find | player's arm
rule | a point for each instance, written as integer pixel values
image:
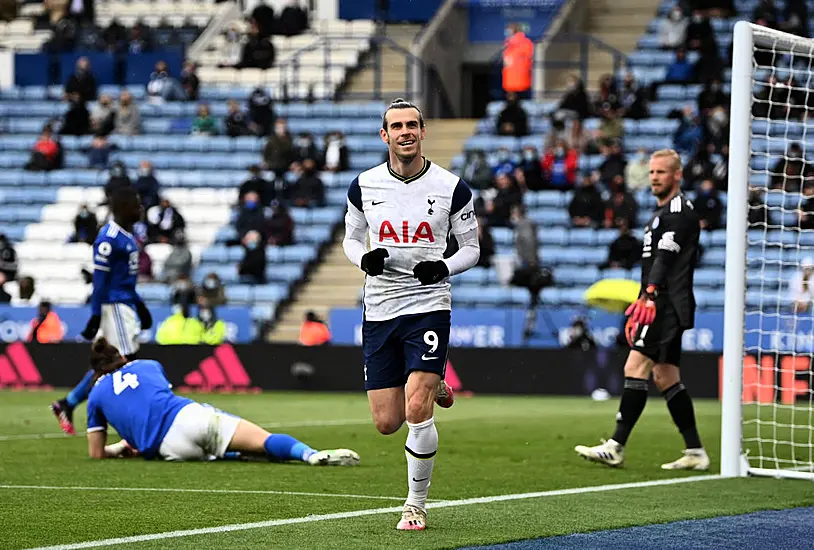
(464, 225)
(97, 431)
(355, 241)
(102, 260)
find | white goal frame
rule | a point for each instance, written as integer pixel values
(734, 462)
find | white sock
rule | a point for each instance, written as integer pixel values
(422, 444)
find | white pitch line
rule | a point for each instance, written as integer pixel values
(370, 512)
(181, 490)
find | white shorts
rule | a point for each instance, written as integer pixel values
(121, 327)
(198, 433)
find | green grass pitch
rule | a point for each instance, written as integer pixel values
(488, 446)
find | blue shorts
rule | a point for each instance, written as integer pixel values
(396, 347)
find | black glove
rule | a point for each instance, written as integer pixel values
(430, 273)
(144, 316)
(92, 327)
(373, 261)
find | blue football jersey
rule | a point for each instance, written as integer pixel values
(116, 260)
(137, 400)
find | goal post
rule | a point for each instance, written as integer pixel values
(767, 420)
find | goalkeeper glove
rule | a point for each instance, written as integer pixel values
(641, 312)
(373, 261)
(92, 327)
(144, 316)
(431, 272)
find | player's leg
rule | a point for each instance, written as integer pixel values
(63, 408)
(634, 398)
(425, 341)
(384, 375)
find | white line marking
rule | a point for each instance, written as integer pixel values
(181, 490)
(370, 512)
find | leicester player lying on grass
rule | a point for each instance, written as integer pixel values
(136, 399)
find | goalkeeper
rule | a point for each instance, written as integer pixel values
(657, 320)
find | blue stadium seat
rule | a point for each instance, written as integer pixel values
(582, 236)
(239, 294)
(271, 293)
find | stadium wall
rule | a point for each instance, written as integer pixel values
(256, 367)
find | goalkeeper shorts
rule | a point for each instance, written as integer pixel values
(661, 340)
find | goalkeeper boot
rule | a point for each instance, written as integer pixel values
(334, 457)
(444, 396)
(64, 414)
(413, 518)
(693, 459)
(609, 452)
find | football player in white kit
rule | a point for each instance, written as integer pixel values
(407, 206)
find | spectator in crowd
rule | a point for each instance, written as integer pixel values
(103, 117)
(513, 119)
(145, 264)
(8, 258)
(795, 18)
(711, 96)
(801, 286)
(758, 215)
(114, 37)
(805, 213)
(308, 191)
(689, 133)
(716, 129)
(632, 102)
(24, 292)
(99, 152)
(118, 178)
(476, 171)
(314, 331)
(508, 195)
(680, 71)
(621, 208)
(147, 185)
(179, 262)
(574, 107)
(336, 156)
(211, 330)
(182, 292)
(140, 40)
(46, 327)
(85, 226)
(779, 100)
(614, 164)
(765, 14)
(709, 206)
(625, 251)
(250, 217)
(261, 112)
(709, 66)
(5, 297)
(560, 165)
(256, 184)
(233, 47)
(720, 172)
(189, 81)
(528, 272)
(164, 222)
(698, 168)
(163, 87)
(46, 154)
(293, 19)
(204, 124)
(236, 123)
(179, 328)
(212, 291)
(530, 170)
(673, 29)
(76, 121)
(503, 162)
(518, 56)
(252, 268)
(82, 82)
(8, 10)
(637, 171)
(587, 209)
(279, 228)
(700, 33)
(278, 153)
(486, 243)
(792, 170)
(305, 148)
(608, 95)
(264, 19)
(611, 130)
(128, 117)
(258, 51)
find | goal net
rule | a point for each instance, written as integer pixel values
(768, 381)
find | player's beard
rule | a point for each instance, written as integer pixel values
(405, 159)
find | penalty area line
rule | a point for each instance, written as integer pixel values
(373, 511)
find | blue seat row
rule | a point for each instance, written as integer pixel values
(297, 254)
(236, 294)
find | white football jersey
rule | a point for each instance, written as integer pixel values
(411, 218)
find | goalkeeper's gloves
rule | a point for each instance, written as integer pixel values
(92, 327)
(430, 273)
(144, 316)
(373, 261)
(641, 312)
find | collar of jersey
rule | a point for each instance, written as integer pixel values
(411, 178)
(120, 228)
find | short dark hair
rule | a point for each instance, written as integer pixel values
(122, 198)
(401, 103)
(105, 358)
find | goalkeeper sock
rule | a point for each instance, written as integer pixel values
(81, 391)
(285, 447)
(634, 398)
(422, 444)
(681, 409)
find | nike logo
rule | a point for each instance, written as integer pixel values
(374, 203)
(420, 480)
(425, 358)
